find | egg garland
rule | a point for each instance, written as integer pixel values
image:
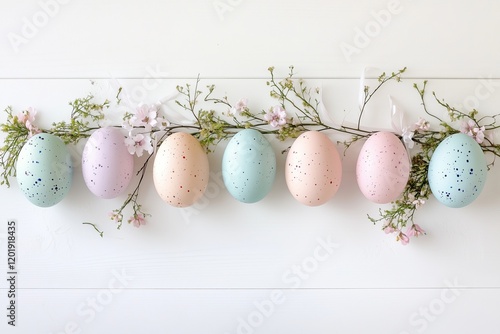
(386, 172)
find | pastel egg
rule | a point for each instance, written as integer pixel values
(313, 169)
(248, 166)
(107, 166)
(383, 168)
(44, 170)
(181, 170)
(457, 171)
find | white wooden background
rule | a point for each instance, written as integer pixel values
(227, 267)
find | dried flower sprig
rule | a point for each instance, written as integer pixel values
(17, 134)
(367, 94)
(210, 126)
(84, 118)
(215, 119)
(297, 111)
(402, 213)
(138, 217)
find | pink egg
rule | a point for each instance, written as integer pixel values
(107, 166)
(181, 170)
(313, 169)
(383, 168)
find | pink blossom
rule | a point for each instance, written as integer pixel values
(467, 127)
(145, 115)
(472, 129)
(479, 134)
(388, 228)
(240, 107)
(418, 203)
(137, 219)
(162, 123)
(403, 238)
(138, 143)
(414, 231)
(27, 117)
(115, 216)
(422, 125)
(276, 116)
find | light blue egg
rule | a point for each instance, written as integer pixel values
(457, 171)
(44, 170)
(248, 166)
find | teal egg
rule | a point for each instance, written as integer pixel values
(44, 170)
(248, 166)
(457, 171)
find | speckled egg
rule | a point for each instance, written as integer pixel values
(383, 168)
(248, 166)
(457, 171)
(44, 170)
(181, 170)
(107, 166)
(313, 169)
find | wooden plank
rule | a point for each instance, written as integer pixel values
(222, 38)
(222, 243)
(438, 310)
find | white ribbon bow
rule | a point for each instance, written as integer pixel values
(399, 126)
(397, 114)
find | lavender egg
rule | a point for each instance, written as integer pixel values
(107, 166)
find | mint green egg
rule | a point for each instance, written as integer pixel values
(44, 170)
(248, 166)
(457, 171)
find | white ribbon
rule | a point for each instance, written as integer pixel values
(127, 100)
(128, 104)
(323, 113)
(399, 126)
(397, 114)
(154, 139)
(362, 84)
